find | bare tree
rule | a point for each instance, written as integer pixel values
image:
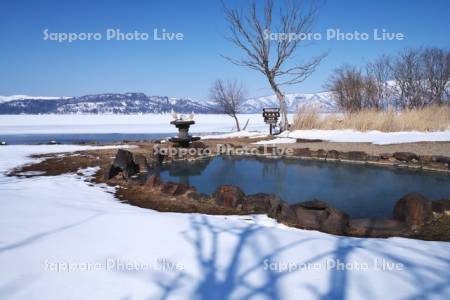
(409, 79)
(436, 69)
(420, 78)
(251, 32)
(379, 74)
(348, 87)
(371, 99)
(229, 95)
(354, 90)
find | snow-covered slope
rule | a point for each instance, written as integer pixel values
(128, 103)
(322, 101)
(4, 99)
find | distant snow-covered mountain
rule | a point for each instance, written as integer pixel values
(323, 102)
(131, 103)
(109, 103)
(24, 97)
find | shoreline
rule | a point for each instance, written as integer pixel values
(173, 197)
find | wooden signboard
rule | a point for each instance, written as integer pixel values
(271, 116)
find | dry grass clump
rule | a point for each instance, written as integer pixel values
(432, 118)
(307, 118)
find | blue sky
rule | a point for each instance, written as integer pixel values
(30, 65)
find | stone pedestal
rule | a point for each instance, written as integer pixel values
(183, 139)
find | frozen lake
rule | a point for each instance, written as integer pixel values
(124, 124)
(69, 129)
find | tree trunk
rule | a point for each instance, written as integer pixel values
(237, 123)
(284, 123)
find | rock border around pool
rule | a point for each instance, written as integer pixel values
(411, 212)
(404, 160)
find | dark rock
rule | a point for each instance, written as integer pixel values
(385, 156)
(197, 196)
(283, 213)
(333, 154)
(309, 218)
(229, 196)
(314, 204)
(319, 153)
(337, 221)
(302, 152)
(405, 156)
(373, 157)
(175, 189)
(3, 143)
(442, 159)
(261, 203)
(413, 209)
(356, 155)
(111, 172)
(198, 145)
(125, 162)
(141, 161)
(154, 181)
(441, 206)
(308, 141)
(319, 215)
(377, 228)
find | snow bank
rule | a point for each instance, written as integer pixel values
(277, 141)
(352, 136)
(237, 134)
(61, 238)
(12, 155)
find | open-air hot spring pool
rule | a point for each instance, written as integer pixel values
(361, 191)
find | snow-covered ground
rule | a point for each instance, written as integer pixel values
(351, 136)
(62, 238)
(140, 123)
(236, 134)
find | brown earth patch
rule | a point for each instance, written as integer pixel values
(422, 148)
(437, 230)
(55, 164)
